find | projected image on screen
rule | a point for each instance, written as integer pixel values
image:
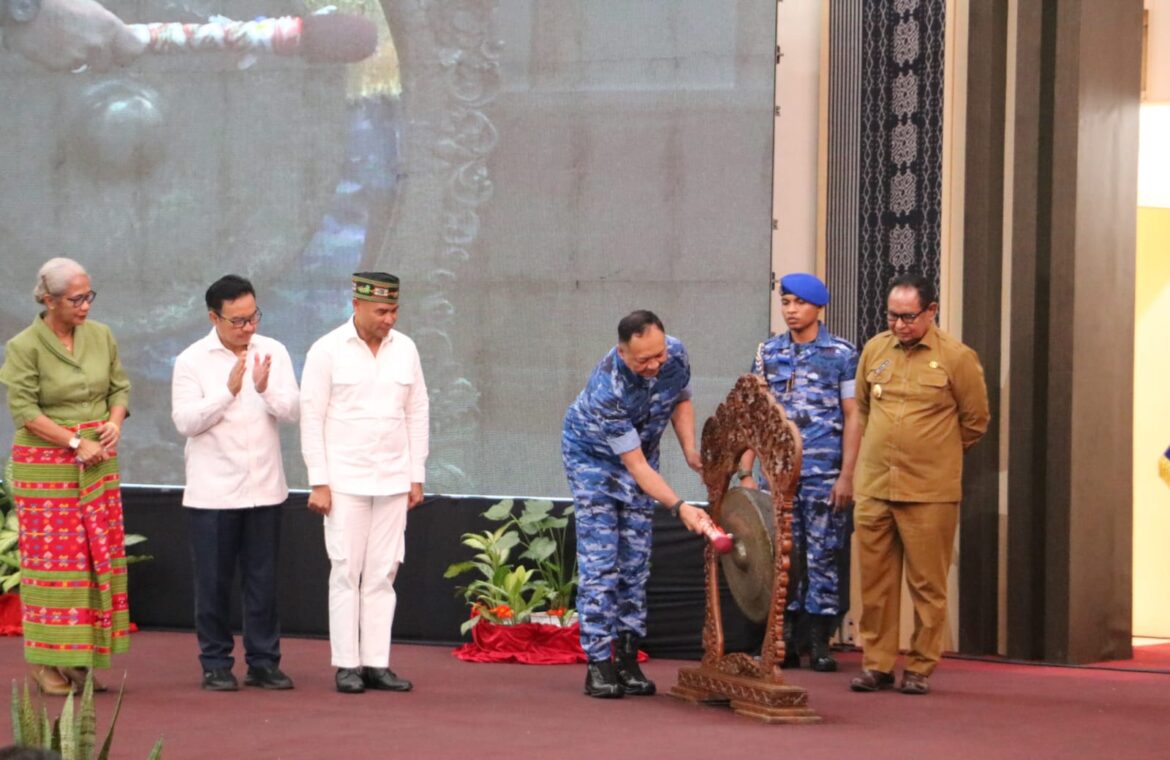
(532, 170)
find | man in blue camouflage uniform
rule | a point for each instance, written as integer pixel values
(811, 373)
(610, 448)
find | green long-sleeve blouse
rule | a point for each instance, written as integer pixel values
(43, 378)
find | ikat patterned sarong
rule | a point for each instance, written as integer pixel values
(73, 557)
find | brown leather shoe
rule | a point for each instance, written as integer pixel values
(915, 683)
(872, 680)
(77, 676)
(50, 681)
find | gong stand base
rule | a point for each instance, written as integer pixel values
(765, 701)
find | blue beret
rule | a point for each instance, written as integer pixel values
(806, 286)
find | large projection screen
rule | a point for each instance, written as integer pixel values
(533, 170)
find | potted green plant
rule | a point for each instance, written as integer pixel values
(10, 622)
(540, 581)
(73, 735)
(9, 541)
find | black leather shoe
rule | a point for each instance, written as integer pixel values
(915, 683)
(601, 680)
(268, 678)
(825, 664)
(629, 674)
(872, 680)
(349, 681)
(384, 679)
(220, 679)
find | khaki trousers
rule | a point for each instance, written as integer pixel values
(920, 535)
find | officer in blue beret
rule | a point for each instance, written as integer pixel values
(811, 373)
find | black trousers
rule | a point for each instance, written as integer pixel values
(221, 539)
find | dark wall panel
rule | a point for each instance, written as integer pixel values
(1073, 220)
(428, 609)
(982, 304)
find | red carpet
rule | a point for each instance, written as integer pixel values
(1152, 657)
(476, 711)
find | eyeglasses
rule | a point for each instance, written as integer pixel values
(240, 322)
(893, 318)
(77, 301)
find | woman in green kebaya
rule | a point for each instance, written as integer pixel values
(68, 396)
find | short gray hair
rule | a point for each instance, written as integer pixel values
(54, 276)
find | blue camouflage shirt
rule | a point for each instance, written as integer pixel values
(810, 380)
(619, 411)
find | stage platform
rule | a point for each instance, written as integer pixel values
(481, 712)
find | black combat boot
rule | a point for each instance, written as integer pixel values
(629, 674)
(791, 651)
(822, 630)
(601, 680)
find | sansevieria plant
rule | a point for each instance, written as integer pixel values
(73, 734)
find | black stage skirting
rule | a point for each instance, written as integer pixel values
(161, 593)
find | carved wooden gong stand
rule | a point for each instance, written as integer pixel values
(749, 418)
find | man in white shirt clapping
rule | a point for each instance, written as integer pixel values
(230, 390)
(364, 436)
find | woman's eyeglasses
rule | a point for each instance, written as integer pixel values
(77, 301)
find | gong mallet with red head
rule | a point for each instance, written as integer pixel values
(319, 38)
(721, 542)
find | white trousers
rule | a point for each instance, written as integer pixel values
(365, 539)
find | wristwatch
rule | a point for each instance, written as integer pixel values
(75, 441)
(14, 12)
(675, 507)
(741, 474)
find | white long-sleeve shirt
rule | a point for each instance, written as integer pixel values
(233, 442)
(364, 418)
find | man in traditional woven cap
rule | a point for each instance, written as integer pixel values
(364, 436)
(811, 373)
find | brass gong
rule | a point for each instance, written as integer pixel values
(749, 566)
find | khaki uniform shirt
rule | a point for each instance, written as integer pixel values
(921, 408)
(43, 378)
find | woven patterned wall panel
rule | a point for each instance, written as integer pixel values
(885, 156)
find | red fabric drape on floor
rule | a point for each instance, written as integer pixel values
(527, 643)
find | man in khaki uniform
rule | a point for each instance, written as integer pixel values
(923, 402)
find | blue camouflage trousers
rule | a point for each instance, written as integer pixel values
(613, 559)
(820, 545)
